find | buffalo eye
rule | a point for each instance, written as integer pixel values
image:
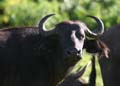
(79, 36)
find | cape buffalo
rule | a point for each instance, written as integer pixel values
(35, 56)
(110, 67)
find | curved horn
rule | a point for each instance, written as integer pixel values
(42, 29)
(100, 27)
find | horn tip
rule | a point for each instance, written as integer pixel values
(51, 14)
(90, 16)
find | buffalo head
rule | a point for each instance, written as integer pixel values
(71, 34)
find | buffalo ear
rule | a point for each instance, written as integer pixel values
(96, 46)
(91, 46)
(104, 48)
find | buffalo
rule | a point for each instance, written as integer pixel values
(36, 56)
(110, 67)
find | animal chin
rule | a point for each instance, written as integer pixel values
(72, 60)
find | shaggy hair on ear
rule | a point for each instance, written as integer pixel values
(104, 48)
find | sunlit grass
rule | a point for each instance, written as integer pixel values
(86, 58)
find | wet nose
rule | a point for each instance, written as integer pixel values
(73, 52)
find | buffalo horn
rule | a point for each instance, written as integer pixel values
(43, 31)
(100, 29)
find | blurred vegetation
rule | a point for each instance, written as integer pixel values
(29, 12)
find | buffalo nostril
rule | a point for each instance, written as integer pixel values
(68, 52)
(79, 52)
